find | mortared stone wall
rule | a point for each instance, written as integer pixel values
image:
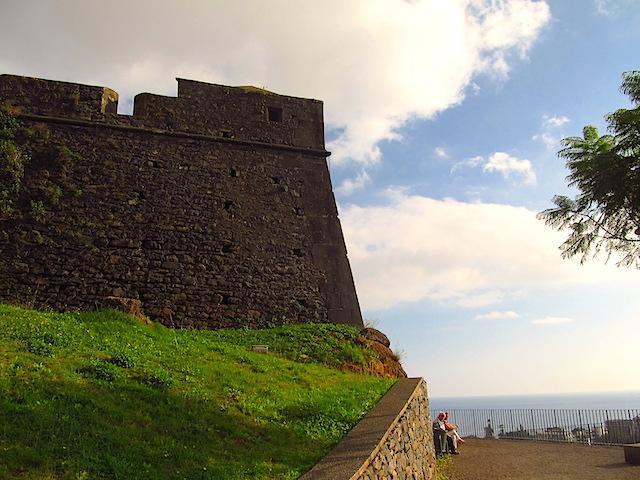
(393, 441)
(213, 208)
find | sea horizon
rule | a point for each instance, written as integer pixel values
(622, 399)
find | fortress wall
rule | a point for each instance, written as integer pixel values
(206, 230)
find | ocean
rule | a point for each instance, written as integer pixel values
(582, 401)
(611, 417)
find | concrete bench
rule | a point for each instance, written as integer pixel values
(632, 454)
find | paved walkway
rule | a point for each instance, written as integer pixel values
(481, 459)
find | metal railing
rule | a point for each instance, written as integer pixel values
(597, 427)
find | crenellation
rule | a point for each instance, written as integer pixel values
(59, 99)
(241, 113)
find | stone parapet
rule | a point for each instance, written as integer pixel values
(235, 113)
(393, 441)
(54, 98)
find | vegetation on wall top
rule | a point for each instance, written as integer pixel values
(34, 169)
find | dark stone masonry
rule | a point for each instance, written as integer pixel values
(211, 209)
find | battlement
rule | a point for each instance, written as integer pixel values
(52, 98)
(240, 113)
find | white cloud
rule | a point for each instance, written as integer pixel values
(498, 315)
(551, 121)
(503, 163)
(440, 152)
(610, 8)
(480, 298)
(507, 165)
(375, 63)
(552, 320)
(348, 186)
(602, 7)
(551, 130)
(413, 248)
(470, 162)
(550, 141)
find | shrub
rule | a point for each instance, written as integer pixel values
(66, 157)
(40, 344)
(122, 360)
(38, 212)
(54, 193)
(354, 354)
(38, 347)
(12, 159)
(6, 203)
(157, 378)
(99, 370)
(39, 132)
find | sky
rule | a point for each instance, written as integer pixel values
(444, 119)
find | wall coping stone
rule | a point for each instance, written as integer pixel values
(352, 455)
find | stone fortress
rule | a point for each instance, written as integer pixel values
(210, 209)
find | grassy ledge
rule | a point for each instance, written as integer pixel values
(442, 468)
(99, 395)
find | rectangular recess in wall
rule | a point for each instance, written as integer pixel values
(274, 114)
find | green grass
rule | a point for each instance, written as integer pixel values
(442, 467)
(98, 395)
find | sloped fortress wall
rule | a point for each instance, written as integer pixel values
(213, 208)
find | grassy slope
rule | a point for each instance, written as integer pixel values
(442, 468)
(98, 395)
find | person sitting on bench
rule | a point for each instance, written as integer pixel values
(453, 438)
(440, 435)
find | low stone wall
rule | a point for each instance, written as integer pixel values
(393, 441)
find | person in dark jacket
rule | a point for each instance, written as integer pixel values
(440, 435)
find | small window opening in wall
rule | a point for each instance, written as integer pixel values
(275, 180)
(228, 248)
(233, 172)
(228, 205)
(298, 252)
(275, 114)
(226, 134)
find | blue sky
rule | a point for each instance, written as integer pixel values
(571, 74)
(573, 70)
(443, 119)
